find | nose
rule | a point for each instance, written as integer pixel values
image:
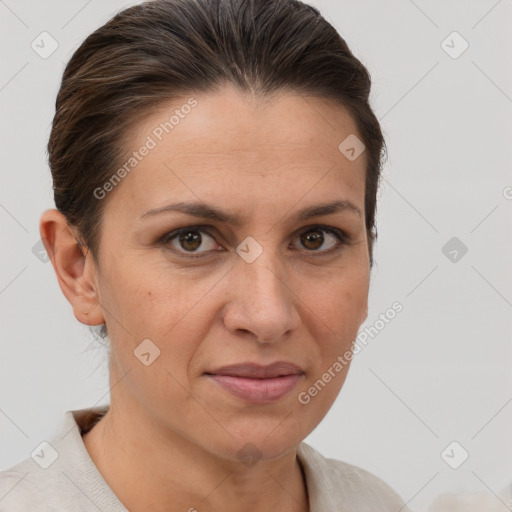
(262, 302)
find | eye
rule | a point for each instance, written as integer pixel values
(314, 238)
(188, 240)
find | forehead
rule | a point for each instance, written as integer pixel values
(203, 144)
(235, 121)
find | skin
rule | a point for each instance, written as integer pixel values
(264, 159)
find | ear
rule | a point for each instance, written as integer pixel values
(75, 269)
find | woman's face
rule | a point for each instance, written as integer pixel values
(269, 284)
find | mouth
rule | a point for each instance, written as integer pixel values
(258, 384)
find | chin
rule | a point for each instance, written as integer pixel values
(267, 440)
(252, 449)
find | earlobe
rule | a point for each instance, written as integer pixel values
(71, 265)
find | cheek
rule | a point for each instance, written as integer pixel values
(335, 315)
(339, 308)
(148, 297)
(167, 307)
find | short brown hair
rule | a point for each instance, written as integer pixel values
(150, 53)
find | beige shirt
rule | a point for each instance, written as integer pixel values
(60, 476)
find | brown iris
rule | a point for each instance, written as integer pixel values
(190, 240)
(312, 241)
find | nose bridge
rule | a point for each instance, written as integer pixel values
(265, 278)
(265, 301)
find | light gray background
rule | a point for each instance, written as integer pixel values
(440, 371)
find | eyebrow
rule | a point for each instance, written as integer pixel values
(206, 211)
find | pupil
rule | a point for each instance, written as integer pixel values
(192, 238)
(307, 238)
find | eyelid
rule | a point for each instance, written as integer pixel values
(343, 239)
(167, 237)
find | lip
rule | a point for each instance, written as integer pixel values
(257, 371)
(256, 383)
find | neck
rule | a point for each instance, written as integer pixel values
(145, 463)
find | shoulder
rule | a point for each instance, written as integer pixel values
(23, 488)
(59, 475)
(335, 483)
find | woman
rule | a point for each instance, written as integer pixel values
(215, 167)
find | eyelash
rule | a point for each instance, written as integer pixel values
(342, 239)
